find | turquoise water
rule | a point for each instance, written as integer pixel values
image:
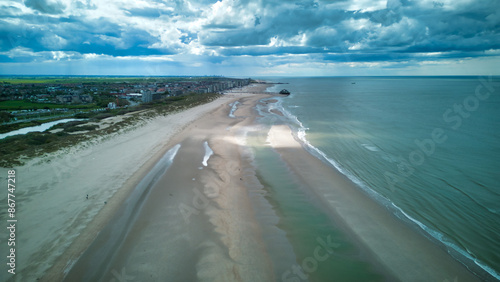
(341, 260)
(426, 147)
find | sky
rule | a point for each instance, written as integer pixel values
(250, 38)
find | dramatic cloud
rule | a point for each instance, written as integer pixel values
(243, 37)
(45, 6)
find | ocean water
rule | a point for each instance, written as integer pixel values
(293, 206)
(428, 148)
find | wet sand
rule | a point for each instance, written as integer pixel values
(58, 222)
(407, 254)
(197, 222)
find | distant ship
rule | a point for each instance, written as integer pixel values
(285, 92)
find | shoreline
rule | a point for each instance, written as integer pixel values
(412, 257)
(403, 250)
(58, 221)
(472, 266)
(197, 218)
(225, 240)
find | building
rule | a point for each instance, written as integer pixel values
(68, 99)
(64, 99)
(133, 96)
(111, 105)
(85, 98)
(147, 97)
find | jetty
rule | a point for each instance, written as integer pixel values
(285, 92)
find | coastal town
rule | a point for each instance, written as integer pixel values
(44, 98)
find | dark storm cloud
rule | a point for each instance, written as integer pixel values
(99, 36)
(234, 37)
(45, 6)
(266, 51)
(147, 12)
(9, 11)
(325, 31)
(402, 27)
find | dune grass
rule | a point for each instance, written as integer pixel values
(15, 150)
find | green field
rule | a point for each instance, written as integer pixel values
(24, 80)
(23, 105)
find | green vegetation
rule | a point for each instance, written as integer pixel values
(14, 149)
(5, 116)
(14, 105)
(74, 126)
(24, 80)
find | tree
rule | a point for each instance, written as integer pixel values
(5, 116)
(123, 102)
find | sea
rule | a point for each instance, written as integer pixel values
(427, 148)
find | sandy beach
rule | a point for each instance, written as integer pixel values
(56, 221)
(170, 201)
(197, 220)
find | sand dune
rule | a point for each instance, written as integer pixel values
(57, 222)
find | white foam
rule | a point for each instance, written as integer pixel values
(488, 269)
(301, 135)
(234, 107)
(369, 147)
(161, 166)
(442, 238)
(208, 153)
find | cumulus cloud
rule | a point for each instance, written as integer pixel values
(218, 32)
(45, 6)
